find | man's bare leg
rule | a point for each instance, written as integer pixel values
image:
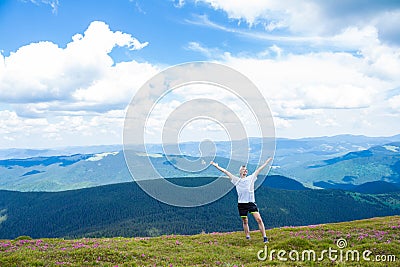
(260, 222)
(246, 229)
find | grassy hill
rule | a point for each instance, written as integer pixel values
(376, 239)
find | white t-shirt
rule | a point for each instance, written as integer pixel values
(245, 188)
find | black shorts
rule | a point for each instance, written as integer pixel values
(245, 208)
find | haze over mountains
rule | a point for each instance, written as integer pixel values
(341, 162)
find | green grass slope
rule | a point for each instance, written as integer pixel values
(376, 242)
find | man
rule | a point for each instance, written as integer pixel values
(246, 200)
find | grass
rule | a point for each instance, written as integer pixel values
(380, 236)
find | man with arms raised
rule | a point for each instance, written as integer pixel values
(246, 200)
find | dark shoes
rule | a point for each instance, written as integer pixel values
(265, 239)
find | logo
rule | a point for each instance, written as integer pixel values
(199, 101)
(339, 255)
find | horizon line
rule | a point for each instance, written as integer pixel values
(198, 141)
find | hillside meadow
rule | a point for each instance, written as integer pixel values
(369, 242)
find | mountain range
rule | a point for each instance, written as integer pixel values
(339, 162)
(378, 163)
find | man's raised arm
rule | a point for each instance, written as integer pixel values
(230, 175)
(257, 172)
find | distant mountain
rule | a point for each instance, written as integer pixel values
(61, 161)
(57, 173)
(375, 187)
(21, 153)
(378, 163)
(125, 210)
(333, 185)
(282, 182)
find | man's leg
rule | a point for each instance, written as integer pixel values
(260, 222)
(246, 229)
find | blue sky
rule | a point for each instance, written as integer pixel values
(68, 69)
(167, 28)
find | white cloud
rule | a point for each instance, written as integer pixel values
(82, 72)
(74, 95)
(179, 3)
(52, 3)
(281, 123)
(291, 109)
(383, 62)
(11, 123)
(117, 85)
(208, 52)
(32, 109)
(310, 18)
(387, 24)
(349, 38)
(31, 74)
(297, 16)
(394, 103)
(319, 91)
(88, 129)
(277, 50)
(315, 80)
(355, 37)
(247, 10)
(305, 86)
(327, 122)
(336, 96)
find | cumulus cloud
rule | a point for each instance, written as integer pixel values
(11, 123)
(116, 85)
(315, 80)
(71, 94)
(82, 72)
(303, 89)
